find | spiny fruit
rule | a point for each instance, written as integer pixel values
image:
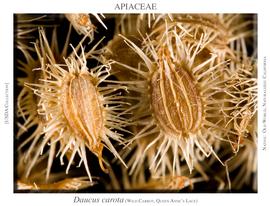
(77, 112)
(186, 103)
(178, 91)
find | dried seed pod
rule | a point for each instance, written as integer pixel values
(185, 100)
(192, 87)
(175, 97)
(77, 113)
(82, 23)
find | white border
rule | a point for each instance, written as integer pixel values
(188, 6)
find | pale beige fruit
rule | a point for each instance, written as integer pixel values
(176, 100)
(186, 105)
(77, 114)
(83, 24)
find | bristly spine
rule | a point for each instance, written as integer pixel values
(78, 113)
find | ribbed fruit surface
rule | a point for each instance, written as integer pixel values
(82, 107)
(176, 102)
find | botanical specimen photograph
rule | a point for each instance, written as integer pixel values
(135, 103)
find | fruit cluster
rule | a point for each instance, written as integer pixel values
(136, 102)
